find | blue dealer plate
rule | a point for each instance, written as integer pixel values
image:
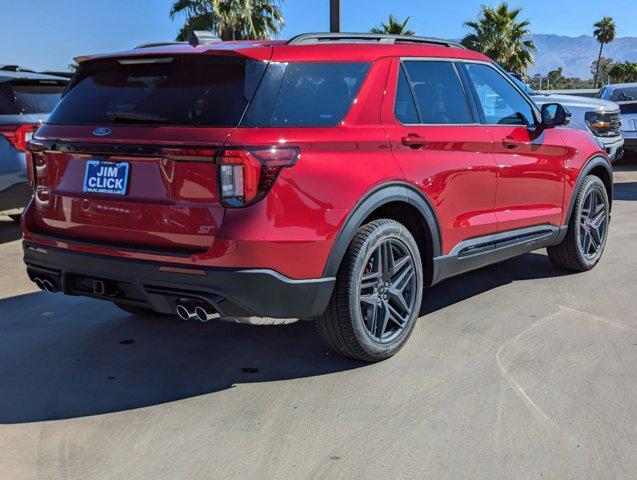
(106, 177)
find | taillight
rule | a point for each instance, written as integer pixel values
(18, 135)
(246, 175)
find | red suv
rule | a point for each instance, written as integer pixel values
(331, 177)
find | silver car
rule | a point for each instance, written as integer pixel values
(26, 98)
(625, 95)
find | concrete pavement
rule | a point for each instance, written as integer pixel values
(516, 371)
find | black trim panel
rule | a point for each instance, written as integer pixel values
(255, 292)
(388, 193)
(595, 161)
(493, 250)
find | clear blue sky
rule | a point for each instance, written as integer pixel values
(49, 33)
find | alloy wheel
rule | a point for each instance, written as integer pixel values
(387, 290)
(593, 224)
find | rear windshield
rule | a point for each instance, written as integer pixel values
(29, 96)
(176, 91)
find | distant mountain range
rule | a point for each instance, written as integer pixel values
(575, 54)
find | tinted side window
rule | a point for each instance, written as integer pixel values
(439, 93)
(501, 103)
(627, 94)
(303, 94)
(405, 108)
(317, 94)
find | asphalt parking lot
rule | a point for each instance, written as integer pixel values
(517, 370)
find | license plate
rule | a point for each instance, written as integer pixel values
(106, 177)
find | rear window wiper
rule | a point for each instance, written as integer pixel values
(138, 117)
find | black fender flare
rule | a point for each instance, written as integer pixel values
(595, 161)
(379, 196)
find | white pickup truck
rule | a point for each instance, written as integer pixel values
(599, 117)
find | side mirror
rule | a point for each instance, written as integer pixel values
(555, 115)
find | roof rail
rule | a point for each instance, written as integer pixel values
(315, 38)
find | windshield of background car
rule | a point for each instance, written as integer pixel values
(25, 96)
(625, 94)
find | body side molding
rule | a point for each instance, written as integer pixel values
(482, 251)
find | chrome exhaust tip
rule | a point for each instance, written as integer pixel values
(48, 286)
(38, 283)
(205, 313)
(184, 312)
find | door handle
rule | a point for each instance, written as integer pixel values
(510, 143)
(413, 141)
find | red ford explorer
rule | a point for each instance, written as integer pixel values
(331, 177)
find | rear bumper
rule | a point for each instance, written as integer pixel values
(233, 292)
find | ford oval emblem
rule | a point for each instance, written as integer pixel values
(101, 132)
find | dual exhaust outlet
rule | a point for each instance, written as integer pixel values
(47, 284)
(196, 310)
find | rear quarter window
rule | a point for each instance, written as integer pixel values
(306, 94)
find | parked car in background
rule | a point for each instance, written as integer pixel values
(599, 117)
(26, 98)
(624, 95)
(330, 177)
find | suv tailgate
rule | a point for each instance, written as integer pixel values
(170, 198)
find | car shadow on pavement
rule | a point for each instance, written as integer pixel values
(530, 266)
(625, 191)
(68, 357)
(626, 164)
(9, 231)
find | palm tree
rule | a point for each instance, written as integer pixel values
(499, 34)
(394, 27)
(605, 32)
(230, 19)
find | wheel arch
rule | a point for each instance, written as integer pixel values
(401, 202)
(597, 165)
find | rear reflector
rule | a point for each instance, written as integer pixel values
(246, 175)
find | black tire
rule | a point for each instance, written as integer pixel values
(15, 218)
(139, 311)
(571, 254)
(362, 320)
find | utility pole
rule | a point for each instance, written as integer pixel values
(335, 16)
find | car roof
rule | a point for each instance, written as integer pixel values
(283, 51)
(619, 86)
(9, 76)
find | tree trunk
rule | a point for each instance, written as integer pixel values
(599, 59)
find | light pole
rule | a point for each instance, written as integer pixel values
(335, 16)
